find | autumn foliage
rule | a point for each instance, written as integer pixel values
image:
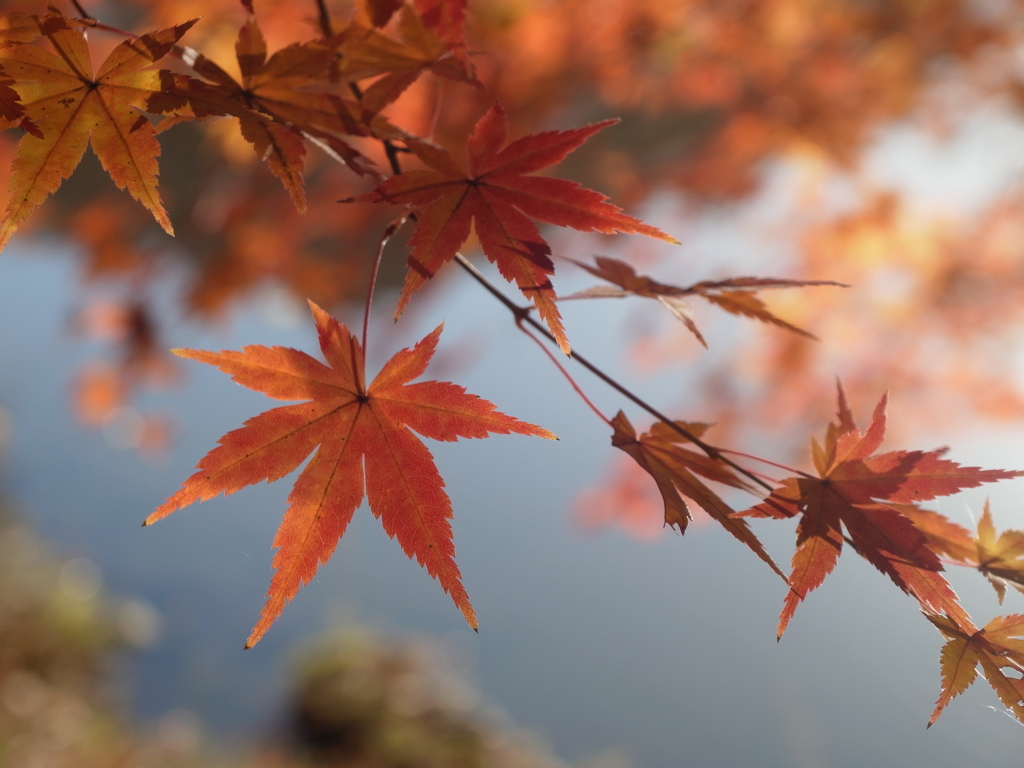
(364, 447)
(435, 117)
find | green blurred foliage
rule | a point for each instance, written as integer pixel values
(359, 700)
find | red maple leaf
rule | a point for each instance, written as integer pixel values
(660, 453)
(447, 18)
(499, 199)
(366, 448)
(853, 491)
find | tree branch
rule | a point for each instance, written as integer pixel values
(523, 315)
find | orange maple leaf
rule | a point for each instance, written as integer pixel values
(499, 199)
(660, 453)
(862, 492)
(366, 448)
(276, 104)
(12, 111)
(997, 647)
(367, 53)
(379, 12)
(72, 108)
(447, 18)
(20, 27)
(1000, 558)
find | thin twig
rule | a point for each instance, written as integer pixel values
(325, 19)
(390, 149)
(389, 232)
(767, 461)
(522, 315)
(81, 11)
(558, 364)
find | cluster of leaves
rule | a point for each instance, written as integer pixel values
(717, 91)
(870, 501)
(332, 92)
(709, 92)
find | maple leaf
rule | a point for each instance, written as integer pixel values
(659, 453)
(499, 199)
(945, 537)
(1000, 558)
(12, 112)
(380, 11)
(367, 53)
(737, 295)
(997, 647)
(20, 27)
(275, 109)
(447, 18)
(861, 492)
(72, 109)
(366, 448)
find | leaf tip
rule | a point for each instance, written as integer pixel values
(258, 631)
(469, 614)
(535, 431)
(322, 318)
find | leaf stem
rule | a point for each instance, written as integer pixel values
(767, 461)
(82, 12)
(389, 232)
(324, 18)
(558, 364)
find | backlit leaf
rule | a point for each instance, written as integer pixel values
(861, 492)
(72, 108)
(498, 199)
(365, 447)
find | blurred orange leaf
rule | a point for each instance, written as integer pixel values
(72, 108)
(367, 53)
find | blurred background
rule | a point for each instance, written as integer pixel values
(876, 144)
